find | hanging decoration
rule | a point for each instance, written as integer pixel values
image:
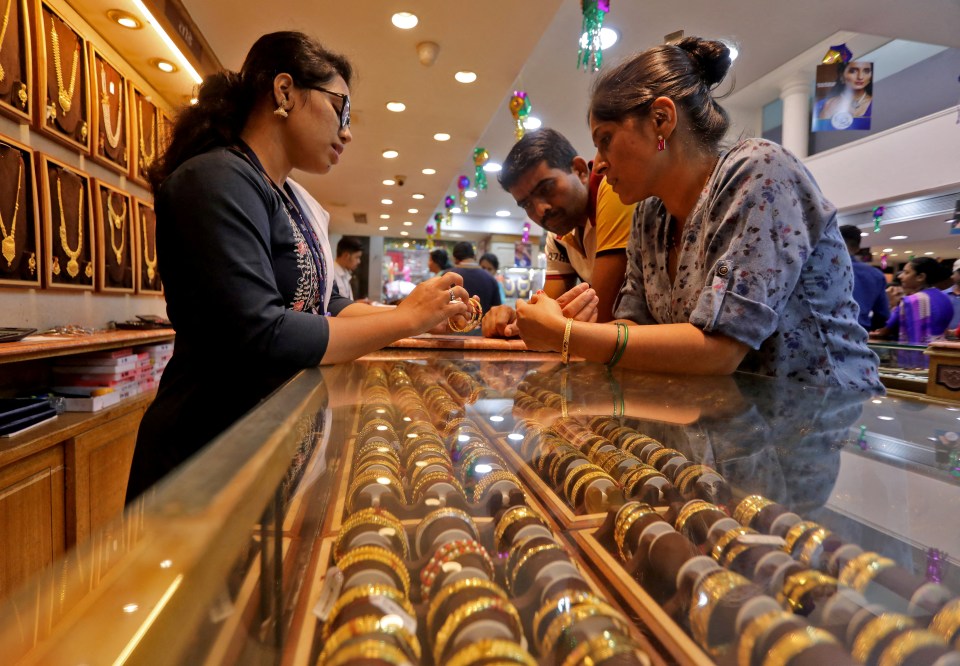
(525, 237)
(935, 560)
(883, 261)
(955, 463)
(837, 54)
(480, 157)
(433, 226)
(519, 109)
(877, 218)
(462, 184)
(447, 205)
(862, 439)
(590, 55)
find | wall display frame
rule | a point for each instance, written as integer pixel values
(19, 221)
(116, 246)
(147, 276)
(145, 122)
(16, 61)
(110, 114)
(63, 112)
(68, 230)
(164, 131)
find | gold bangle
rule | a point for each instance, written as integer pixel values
(874, 631)
(457, 617)
(369, 649)
(801, 583)
(795, 533)
(749, 507)
(898, 652)
(376, 517)
(584, 482)
(484, 484)
(796, 642)
(457, 586)
(364, 591)
(638, 476)
(565, 349)
(367, 478)
(419, 467)
(572, 476)
(564, 455)
(663, 452)
(947, 623)
(629, 513)
(443, 512)
(492, 648)
(727, 538)
(631, 442)
(558, 604)
(853, 567)
(424, 483)
(812, 546)
(377, 554)
(509, 517)
(514, 573)
(600, 648)
(869, 572)
(449, 552)
(578, 613)
(754, 629)
(369, 624)
(688, 510)
(684, 477)
(706, 594)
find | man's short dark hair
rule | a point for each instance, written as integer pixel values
(440, 258)
(851, 235)
(542, 145)
(349, 245)
(493, 259)
(463, 250)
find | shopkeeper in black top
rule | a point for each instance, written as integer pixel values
(243, 251)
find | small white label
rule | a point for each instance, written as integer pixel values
(761, 540)
(391, 607)
(387, 532)
(451, 567)
(432, 501)
(332, 583)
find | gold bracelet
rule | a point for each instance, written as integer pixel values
(795, 533)
(564, 621)
(457, 586)
(727, 538)
(556, 605)
(812, 547)
(603, 647)
(874, 631)
(419, 468)
(801, 583)
(664, 452)
(689, 510)
(458, 616)
(565, 349)
(749, 507)
(362, 592)
(377, 554)
(584, 482)
(572, 476)
(509, 517)
(504, 652)
(947, 623)
(869, 572)
(367, 478)
(369, 624)
(796, 642)
(443, 512)
(449, 552)
(706, 594)
(690, 473)
(754, 629)
(490, 478)
(424, 483)
(638, 476)
(853, 567)
(376, 517)
(514, 573)
(368, 649)
(625, 519)
(565, 455)
(900, 649)
(610, 460)
(636, 440)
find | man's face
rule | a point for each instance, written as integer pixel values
(553, 198)
(351, 260)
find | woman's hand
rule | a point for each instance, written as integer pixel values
(541, 322)
(580, 303)
(500, 322)
(434, 301)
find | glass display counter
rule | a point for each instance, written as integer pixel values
(903, 366)
(500, 508)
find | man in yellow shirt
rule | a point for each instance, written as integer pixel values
(588, 226)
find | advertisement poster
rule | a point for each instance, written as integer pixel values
(521, 254)
(844, 97)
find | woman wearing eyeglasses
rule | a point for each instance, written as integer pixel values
(243, 250)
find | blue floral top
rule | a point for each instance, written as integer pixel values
(761, 261)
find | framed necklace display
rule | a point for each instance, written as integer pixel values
(19, 226)
(69, 239)
(16, 60)
(63, 111)
(147, 277)
(116, 257)
(164, 131)
(110, 115)
(145, 119)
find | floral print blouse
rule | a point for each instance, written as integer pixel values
(761, 261)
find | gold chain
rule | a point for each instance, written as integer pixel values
(3, 33)
(73, 267)
(9, 240)
(146, 159)
(151, 263)
(116, 222)
(113, 136)
(64, 97)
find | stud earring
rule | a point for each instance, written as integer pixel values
(661, 143)
(281, 110)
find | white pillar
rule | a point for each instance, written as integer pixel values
(796, 115)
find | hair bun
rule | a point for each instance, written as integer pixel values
(710, 58)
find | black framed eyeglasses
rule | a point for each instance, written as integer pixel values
(344, 113)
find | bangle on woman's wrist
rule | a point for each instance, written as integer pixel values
(565, 349)
(621, 345)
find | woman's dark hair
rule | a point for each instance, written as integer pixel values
(933, 270)
(685, 72)
(225, 99)
(440, 258)
(492, 259)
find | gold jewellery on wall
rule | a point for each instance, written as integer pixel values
(73, 266)
(151, 262)
(9, 244)
(112, 134)
(116, 223)
(3, 33)
(64, 96)
(146, 159)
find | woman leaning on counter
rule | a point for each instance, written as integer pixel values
(735, 259)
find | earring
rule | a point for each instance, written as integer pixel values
(281, 110)
(661, 143)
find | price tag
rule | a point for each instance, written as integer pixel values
(332, 584)
(395, 612)
(761, 540)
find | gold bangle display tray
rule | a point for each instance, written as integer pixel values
(431, 341)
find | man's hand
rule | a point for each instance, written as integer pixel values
(580, 303)
(500, 322)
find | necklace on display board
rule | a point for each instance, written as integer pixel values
(64, 95)
(9, 245)
(73, 266)
(3, 33)
(116, 223)
(113, 135)
(151, 262)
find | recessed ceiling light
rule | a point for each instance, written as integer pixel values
(894, 255)
(928, 253)
(456, 209)
(898, 237)
(123, 18)
(441, 136)
(386, 202)
(406, 244)
(532, 123)
(408, 223)
(413, 211)
(164, 65)
(396, 107)
(888, 249)
(465, 77)
(608, 37)
(389, 181)
(503, 213)
(390, 154)
(908, 251)
(404, 20)
(404, 233)
(384, 216)
(470, 194)
(492, 167)
(428, 172)
(417, 195)
(863, 234)
(384, 228)
(734, 51)
(194, 101)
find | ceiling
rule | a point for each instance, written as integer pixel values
(517, 45)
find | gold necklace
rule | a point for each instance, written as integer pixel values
(146, 159)
(113, 136)
(151, 263)
(116, 222)
(9, 240)
(3, 33)
(73, 267)
(64, 97)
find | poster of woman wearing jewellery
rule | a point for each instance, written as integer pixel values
(844, 96)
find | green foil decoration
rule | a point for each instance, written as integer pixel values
(590, 56)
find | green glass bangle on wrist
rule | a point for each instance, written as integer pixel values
(621, 344)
